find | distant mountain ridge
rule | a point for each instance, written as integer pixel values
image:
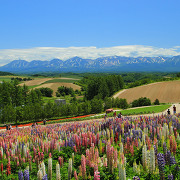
(103, 64)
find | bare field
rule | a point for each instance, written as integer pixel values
(35, 81)
(42, 80)
(166, 92)
(54, 86)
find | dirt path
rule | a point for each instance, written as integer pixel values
(89, 120)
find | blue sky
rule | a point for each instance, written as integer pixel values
(26, 24)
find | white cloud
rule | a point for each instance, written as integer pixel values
(48, 53)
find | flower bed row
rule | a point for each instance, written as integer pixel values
(121, 148)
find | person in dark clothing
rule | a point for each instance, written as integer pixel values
(174, 109)
(44, 122)
(7, 128)
(168, 111)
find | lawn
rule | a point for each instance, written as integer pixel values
(145, 110)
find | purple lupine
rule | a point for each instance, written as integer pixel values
(136, 178)
(45, 177)
(26, 174)
(170, 177)
(161, 164)
(20, 175)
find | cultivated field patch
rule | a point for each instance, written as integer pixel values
(54, 86)
(166, 92)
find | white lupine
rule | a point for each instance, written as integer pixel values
(144, 156)
(72, 158)
(100, 162)
(70, 169)
(24, 151)
(43, 168)
(39, 174)
(50, 168)
(171, 130)
(122, 171)
(148, 160)
(143, 138)
(58, 174)
(146, 130)
(121, 148)
(152, 160)
(136, 168)
(2, 150)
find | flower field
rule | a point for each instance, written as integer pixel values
(121, 148)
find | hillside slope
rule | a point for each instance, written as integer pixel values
(166, 92)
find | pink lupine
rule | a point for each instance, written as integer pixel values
(132, 150)
(96, 175)
(75, 175)
(2, 168)
(83, 165)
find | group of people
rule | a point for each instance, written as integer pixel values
(8, 127)
(174, 110)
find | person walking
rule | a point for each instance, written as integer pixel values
(174, 109)
(168, 111)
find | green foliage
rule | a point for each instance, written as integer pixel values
(47, 92)
(65, 91)
(143, 101)
(156, 102)
(103, 86)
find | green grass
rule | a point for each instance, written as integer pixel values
(144, 110)
(30, 87)
(7, 79)
(60, 80)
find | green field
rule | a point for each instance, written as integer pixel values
(60, 80)
(144, 110)
(5, 79)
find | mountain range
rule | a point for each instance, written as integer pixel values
(103, 64)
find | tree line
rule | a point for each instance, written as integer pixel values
(101, 86)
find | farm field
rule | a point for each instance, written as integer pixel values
(124, 148)
(54, 86)
(166, 92)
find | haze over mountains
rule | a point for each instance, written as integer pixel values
(103, 64)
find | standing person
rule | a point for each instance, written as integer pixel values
(168, 111)
(174, 109)
(44, 122)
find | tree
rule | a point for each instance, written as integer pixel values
(156, 102)
(47, 92)
(86, 106)
(143, 101)
(96, 105)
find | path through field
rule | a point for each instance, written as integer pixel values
(133, 116)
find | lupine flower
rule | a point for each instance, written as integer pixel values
(20, 175)
(170, 177)
(75, 175)
(26, 174)
(122, 171)
(96, 175)
(39, 174)
(45, 177)
(161, 164)
(58, 174)
(50, 168)
(83, 165)
(136, 178)
(70, 169)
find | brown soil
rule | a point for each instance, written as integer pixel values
(166, 92)
(35, 82)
